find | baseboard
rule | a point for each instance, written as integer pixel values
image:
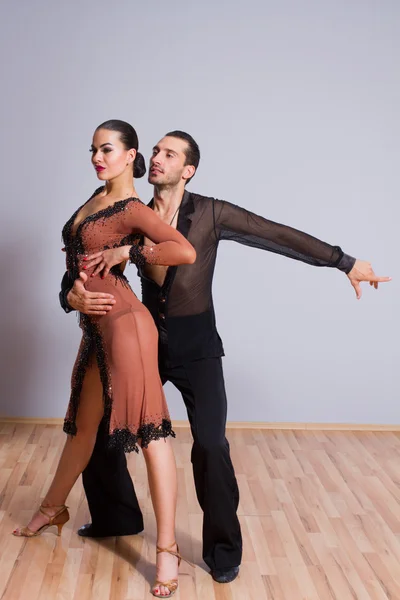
(240, 425)
(312, 426)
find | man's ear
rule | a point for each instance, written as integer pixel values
(189, 171)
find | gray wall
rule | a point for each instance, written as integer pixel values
(295, 106)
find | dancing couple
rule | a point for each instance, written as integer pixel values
(129, 349)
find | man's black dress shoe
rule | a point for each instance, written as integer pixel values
(88, 531)
(225, 575)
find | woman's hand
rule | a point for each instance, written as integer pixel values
(106, 259)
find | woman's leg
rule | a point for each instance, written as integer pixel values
(77, 449)
(161, 470)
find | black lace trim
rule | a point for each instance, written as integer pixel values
(69, 427)
(131, 238)
(77, 381)
(146, 433)
(109, 211)
(128, 240)
(92, 343)
(127, 439)
(74, 245)
(136, 255)
(120, 277)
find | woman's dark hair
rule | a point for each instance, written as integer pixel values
(130, 140)
(192, 150)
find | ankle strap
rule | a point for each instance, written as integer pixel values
(43, 511)
(177, 554)
(168, 548)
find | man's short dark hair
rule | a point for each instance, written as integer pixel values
(192, 150)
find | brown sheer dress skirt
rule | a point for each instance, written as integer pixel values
(124, 344)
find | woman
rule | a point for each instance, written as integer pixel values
(116, 372)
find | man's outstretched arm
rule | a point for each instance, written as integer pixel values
(232, 222)
(74, 296)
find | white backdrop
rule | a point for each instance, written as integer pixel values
(295, 108)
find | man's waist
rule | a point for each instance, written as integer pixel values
(188, 337)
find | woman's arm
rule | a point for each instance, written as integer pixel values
(170, 247)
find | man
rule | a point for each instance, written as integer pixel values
(190, 349)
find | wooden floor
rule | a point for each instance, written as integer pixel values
(320, 515)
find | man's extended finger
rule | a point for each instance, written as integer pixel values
(99, 302)
(357, 289)
(380, 279)
(98, 313)
(371, 278)
(99, 308)
(98, 295)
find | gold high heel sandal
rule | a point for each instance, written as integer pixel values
(172, 584)
(59, 519)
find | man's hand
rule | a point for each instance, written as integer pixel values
(106, 259)
(362, 271)
(89, 303)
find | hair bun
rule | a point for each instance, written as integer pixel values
(139, 166)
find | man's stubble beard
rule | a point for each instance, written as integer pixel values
(166, 185)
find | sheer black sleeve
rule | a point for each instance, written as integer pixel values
(234, 223)
(66, 285)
